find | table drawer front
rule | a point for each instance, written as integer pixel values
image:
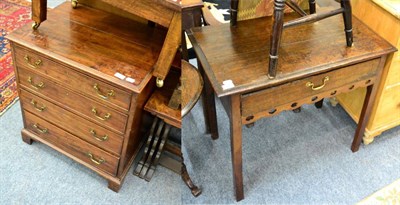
(75, 80)
(80, 104)
(74, 124)
(264, 100)
(86, 152)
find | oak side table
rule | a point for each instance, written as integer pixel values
(314, 64)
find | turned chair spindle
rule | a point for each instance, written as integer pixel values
(279, 25)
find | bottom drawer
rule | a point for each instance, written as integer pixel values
(96, 158)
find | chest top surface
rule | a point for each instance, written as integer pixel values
(96, 42)
(241, 53)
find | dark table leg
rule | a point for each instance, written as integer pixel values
(210, 112)
(39, 12)
(236, 146)
(364, 117)
(366, 110)
(190, 18)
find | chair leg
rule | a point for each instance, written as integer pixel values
(311, 4)
(347, 21)
(234, 11)
(276, 35)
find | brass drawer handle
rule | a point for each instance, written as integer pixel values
(310, 84)
(96, 161)
(40, 109)
(35, 65)
(36, 86)
(106, 117)
(41, 130)
(110, 93)
(101, 139)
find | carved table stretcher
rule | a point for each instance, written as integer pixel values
(315, 64)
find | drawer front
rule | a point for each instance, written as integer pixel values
(75, 80)
(80, 104)
(264, 100)
(74, 124)
(86, 152)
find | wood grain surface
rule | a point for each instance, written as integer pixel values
(71, 144)
(266, 99)
(72, 123)
(229, 53)
(73, 79)
(72, 36)
(70, 100)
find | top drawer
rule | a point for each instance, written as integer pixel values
(72, 78)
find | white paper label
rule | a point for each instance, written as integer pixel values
(120, 76)
(131, 80)
(227, 84)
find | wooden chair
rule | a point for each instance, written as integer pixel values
(279, 25)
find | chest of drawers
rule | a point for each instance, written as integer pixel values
(70, 96)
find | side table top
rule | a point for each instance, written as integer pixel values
(192, 85)
(240, 53)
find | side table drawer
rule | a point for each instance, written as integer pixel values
(82, 105)
(76, 80)
(86, 152)
(266, 100)
(74, 124)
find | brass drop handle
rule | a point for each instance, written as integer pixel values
(41, 130)
(310, 84)
(96, 161)
(38, 108)
(159, 82)
(101, 139)
(110, 93)
(35, 64)
(36, 86)
(106, 117)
